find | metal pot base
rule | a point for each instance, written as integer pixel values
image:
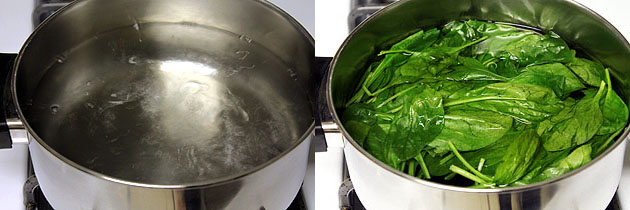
(34, 199)
(349, 201)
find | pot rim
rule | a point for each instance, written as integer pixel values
(352, 142)
(98, 175)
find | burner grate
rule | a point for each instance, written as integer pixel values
(362, 9)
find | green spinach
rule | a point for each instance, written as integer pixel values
(495, 104)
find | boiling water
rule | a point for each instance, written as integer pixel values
(169, 104)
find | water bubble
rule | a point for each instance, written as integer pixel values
(88, 83)
(114, 95)
(54, 108)
(292, 74)
(133, 60)
(245, 38)
(61, 59)
(246, 67)
(242, 54)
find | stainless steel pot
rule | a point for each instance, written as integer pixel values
(158, 104)
(379, 186)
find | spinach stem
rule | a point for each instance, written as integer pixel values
(423, 166)
(356, 98)
(469, 44)
(467, 174)
(372, 100)
(412, 168)
(446, 159)
(449, 176)
(603, 146)
(395, 96)
(489, 61)
(395, 109)
(600, 91)
(385, 115)
(459, 156)
(366, 90)
(608, 82)
(458, 102)
(480, 166)
(385, 52)
(384, 88)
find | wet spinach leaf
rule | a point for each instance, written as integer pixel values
(574, 125)
(614, 110)
(471, 129)
(518, 158)
(527, 48)
(476, 99)
(577, 158)
(420, 121)
(591, 72)
(554, 76)
(524, 102)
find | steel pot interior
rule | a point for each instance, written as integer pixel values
(166, 93)
(582, 28)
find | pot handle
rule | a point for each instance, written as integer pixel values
(11, 128)
(327, 132)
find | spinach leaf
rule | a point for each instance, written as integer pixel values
(600, 143)
(591, 72)
(418, 41)
(492, 154)
(357, 120)
(524, 102)
(472, 70)
(505, 67)
(447, 88)
(577, 158)
(377, 144)
(574, 125)
(435, 165)
(518, 158)
(420, 121)
(554, 76)
(430, 61)
(614, 110)
(457, 33)
(478, 98)
(384, 71)
(471, 129)
(527, 48)
(542, 160)
(357, 130)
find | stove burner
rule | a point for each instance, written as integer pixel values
(348, 199)
(45, 8)
(362, 9)
(33, 197)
